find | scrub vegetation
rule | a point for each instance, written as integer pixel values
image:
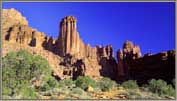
(21, 69)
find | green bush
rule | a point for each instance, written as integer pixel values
(160, 87)
(85, 81)
(170, 91)
(19, 68)
(28, 93)
(49, 84)
(133, 95)
(106, 84)
(130, 84)
(44, 87)
(77, 91)
(66, 83)
(52, 82)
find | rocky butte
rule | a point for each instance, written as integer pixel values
(70, 57)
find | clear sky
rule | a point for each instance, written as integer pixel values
(149, 25)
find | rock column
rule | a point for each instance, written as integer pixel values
(68, 38)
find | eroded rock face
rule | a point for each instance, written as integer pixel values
(12, 17)
(23, 34)
(73, 67)
(80, 69)
(125, 56)
(131, 65)
(106, 51)
(107, 61)
(131, 51)
(120, 66)
(19, 34)
(16, 30)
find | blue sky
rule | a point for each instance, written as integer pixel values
(149, 25)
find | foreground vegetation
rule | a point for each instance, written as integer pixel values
(21, 68)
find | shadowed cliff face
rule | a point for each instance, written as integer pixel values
(158, 66)
(131, 65)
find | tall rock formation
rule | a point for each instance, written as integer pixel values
(68, 38)
(69, 41)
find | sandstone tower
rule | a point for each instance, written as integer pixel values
(69, 41)
(68, 36)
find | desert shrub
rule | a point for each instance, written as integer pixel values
(77, 91)
(19, 68)
(55, 91)
(153, 96)
(44, 87)
(106, 84)
(160, 87)
(64, 91)
(142, 95)
(85, 81)
(28, 93)
(130, 84)
(156, 85)
(170, 91)
(50, 83)
(133, 95)
(66, 83)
